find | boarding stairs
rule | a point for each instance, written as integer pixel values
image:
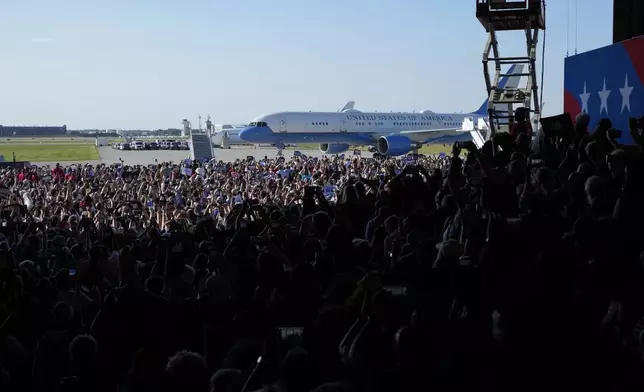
(225, 140)
(510, 15)
(200, 147)
(478, 129)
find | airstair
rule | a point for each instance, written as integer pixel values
(200, 146)
(225, 140)
(510, 15)
(478, 129)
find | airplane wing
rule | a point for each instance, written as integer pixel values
(422, 135)
(428, 131)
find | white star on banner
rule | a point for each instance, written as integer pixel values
(584, 99)
(626, 95)
(603, 95)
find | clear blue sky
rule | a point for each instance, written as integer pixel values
(150, 63)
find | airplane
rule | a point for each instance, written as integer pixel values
(229, 130)
(390, 133)
(232, 132)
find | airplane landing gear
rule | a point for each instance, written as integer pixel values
(280, 147)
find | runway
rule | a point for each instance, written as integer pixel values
(110, 156)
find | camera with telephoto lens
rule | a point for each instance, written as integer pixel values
(535, 163)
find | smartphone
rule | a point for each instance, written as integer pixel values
(533, 163)
(72, 272)
(465, 261)
(466, 145)
(288, 332)
(476, 182)
(396, 290)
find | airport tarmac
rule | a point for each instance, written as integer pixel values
(109, 155)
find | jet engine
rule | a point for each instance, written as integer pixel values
(394, 145)
(333, 148)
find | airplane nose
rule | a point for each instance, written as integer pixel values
(254, 134)
(248, 134)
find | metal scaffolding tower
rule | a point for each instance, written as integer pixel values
(510, 15)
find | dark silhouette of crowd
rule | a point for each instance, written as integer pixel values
(504, 268)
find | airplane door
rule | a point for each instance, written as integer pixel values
(343, 126)
(283, 125)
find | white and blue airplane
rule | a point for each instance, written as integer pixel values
(390, 133)
(231, 131)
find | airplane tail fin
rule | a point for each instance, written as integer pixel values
(348, 106)
(483, 109)
(507, 81)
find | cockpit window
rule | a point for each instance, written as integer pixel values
(258, 124)
(253, 124)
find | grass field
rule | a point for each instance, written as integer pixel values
(49, 150)
(435, 149)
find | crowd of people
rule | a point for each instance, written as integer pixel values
(499, 268)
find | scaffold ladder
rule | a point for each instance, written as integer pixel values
(510, 15)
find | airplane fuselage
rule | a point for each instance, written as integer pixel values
(351, 127)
